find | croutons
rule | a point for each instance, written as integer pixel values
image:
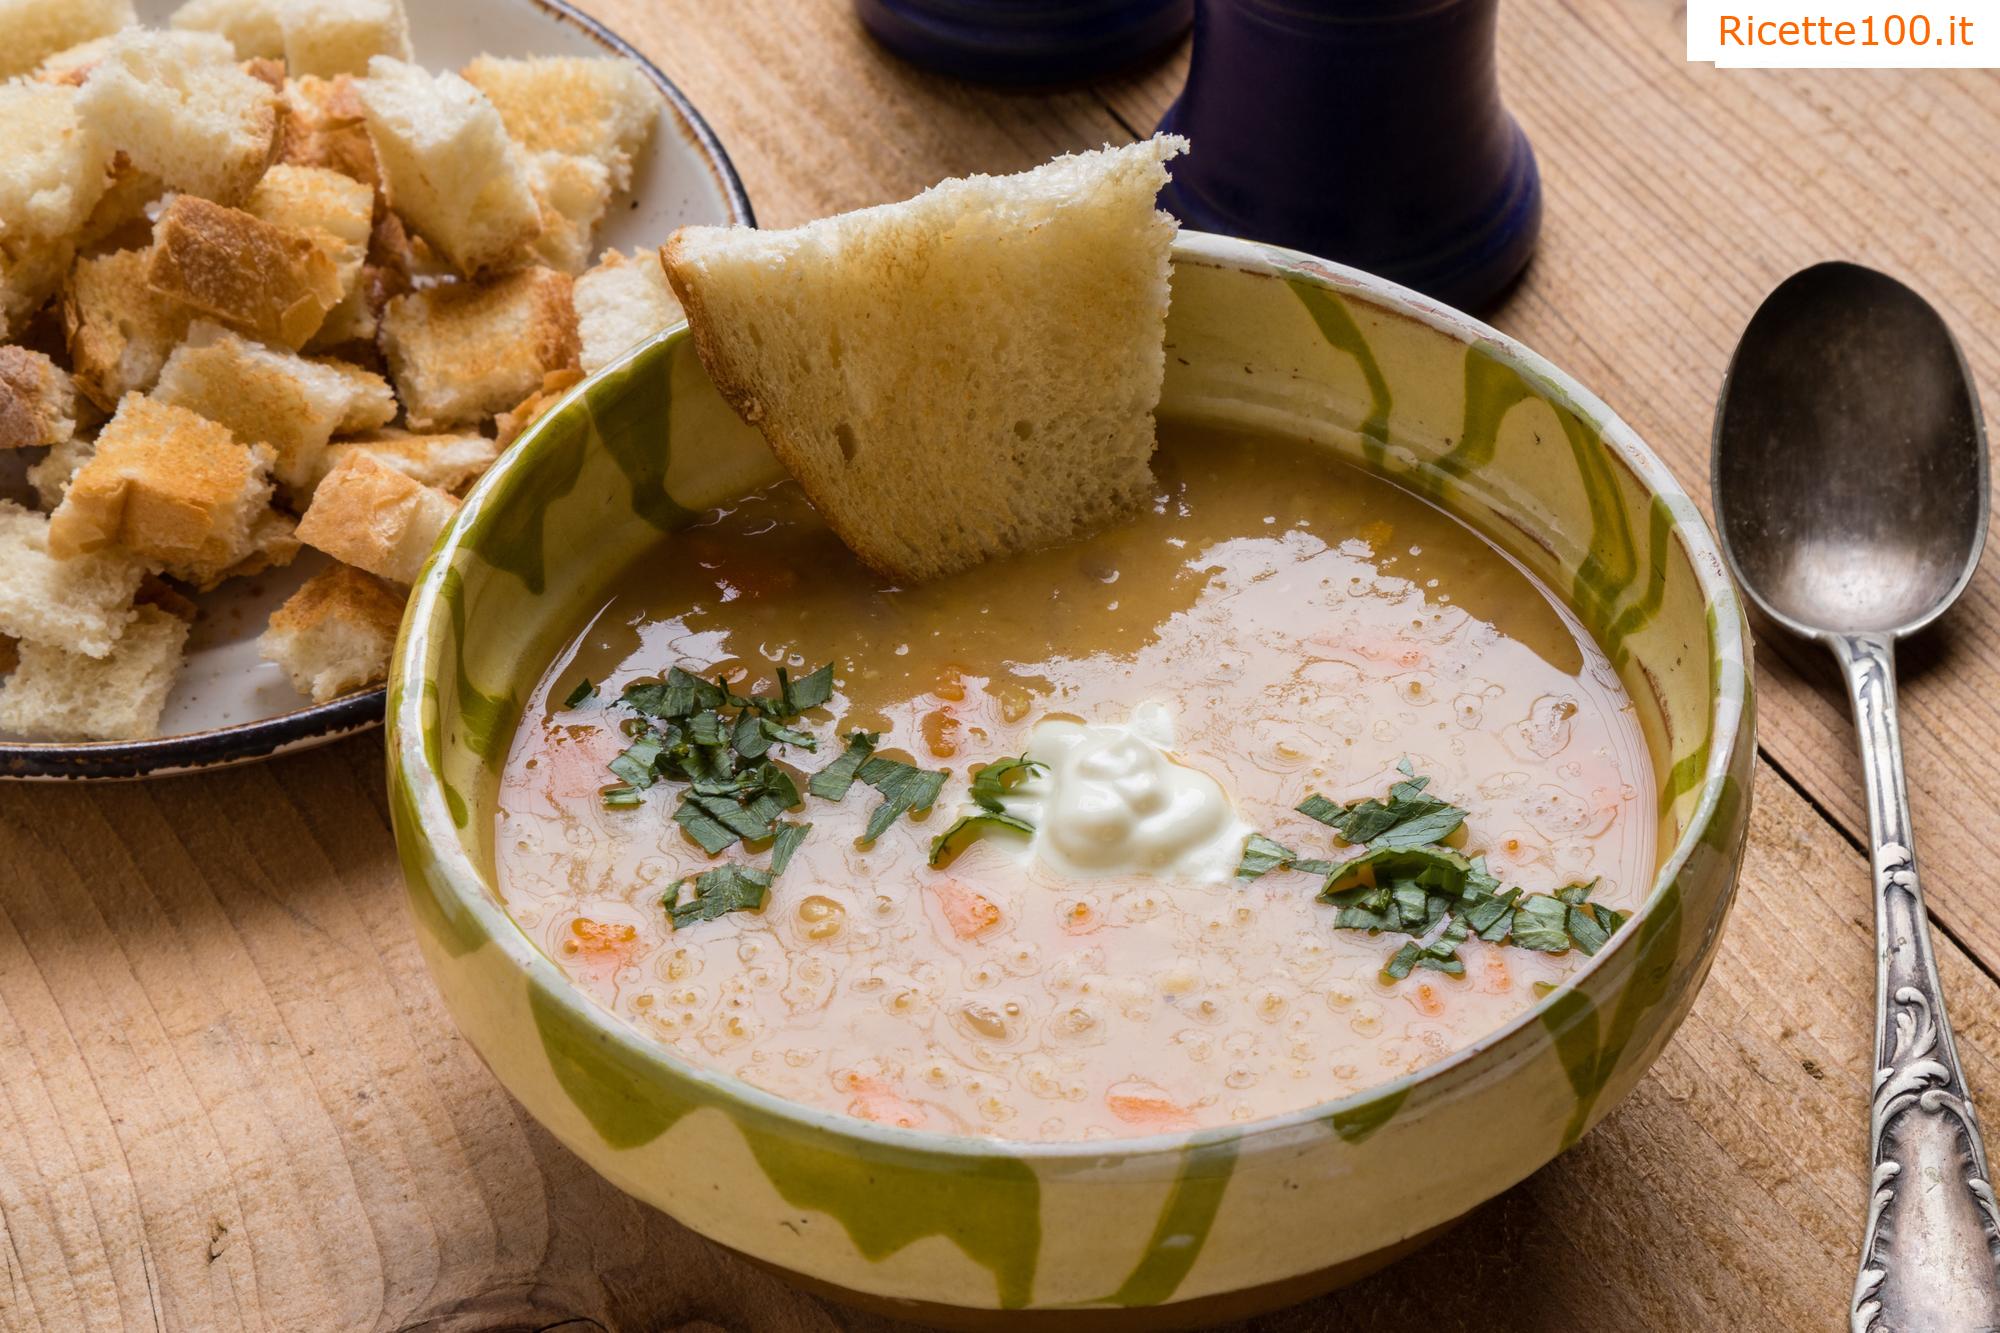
(50, 477)
(461, 353)
(253, 27)
(370, 400)
(269, 282)
(119, 697)
(602, 107)
(619, 304)
(81, 605)
(448, 166)
(329, 37)
(367, 514)
(31, 269)
(172, 487)
(119, 329)
(447, 462)
(37, 400)
(572, 193)
(325, 125)
(267, 396)
(196, 121)
(53, 170)
(33, 30)
(334, 634)
(338, 212)
(508, 426)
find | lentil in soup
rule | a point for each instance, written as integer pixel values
(1278, 624)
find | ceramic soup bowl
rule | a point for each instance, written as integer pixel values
(1159, 1230)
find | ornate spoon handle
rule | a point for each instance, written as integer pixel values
(1927, 1258)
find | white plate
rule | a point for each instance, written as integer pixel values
(231, 707)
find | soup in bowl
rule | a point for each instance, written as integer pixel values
(1102, 933)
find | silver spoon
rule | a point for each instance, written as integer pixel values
(1850, 487)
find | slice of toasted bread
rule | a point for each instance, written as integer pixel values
(253, 27)
(448, 166)
(120, 330)
(53, 171)
(334, 634)
(264, 396)
(461, 352)
(81, 605)
(620, 303)
(597, 107)
(33, 30)
(329, 37)
(168, 485)
(969, 373)
(367, 514)
(61, 695)
(37, 400)
(448, 462)
(177, 104)
(269, 282)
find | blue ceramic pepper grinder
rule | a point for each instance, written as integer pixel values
(1026, 42)
(1367, 131)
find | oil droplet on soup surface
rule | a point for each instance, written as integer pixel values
(999, 995)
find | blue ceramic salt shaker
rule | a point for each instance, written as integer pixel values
(1367, 131)
(1026, 42)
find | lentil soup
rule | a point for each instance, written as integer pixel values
(1279, 625)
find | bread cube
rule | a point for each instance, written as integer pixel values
(119, 329)
(448, 462)
(572, 194)
(448, 167)
(252, 27)
(54, 168)
(264, 396)
(51, 476)
(37, 400)
(508, 425)
(329, 37)
(58, 695)
(172, 487)
(598, 107)
(325, 125)
(273, 543)
(81, 605)
(33, 30)
(128, 193)
(619, 304)
(31, 271)
(461, 352)
(267, 281)
(177, 105)
(367, 514)
(371, 403)
(335, 633)
(338, 212)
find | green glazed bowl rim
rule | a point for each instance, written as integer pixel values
(427, 616)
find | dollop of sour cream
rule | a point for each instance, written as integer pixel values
(1113, 800)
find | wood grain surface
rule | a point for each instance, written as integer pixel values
(230, 1098)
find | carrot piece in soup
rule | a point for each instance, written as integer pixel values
(1147, 1107)
(875, 1100)
(965, 911)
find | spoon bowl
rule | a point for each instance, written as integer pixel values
(1850, 462)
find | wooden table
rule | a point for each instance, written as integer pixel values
(229, 1096)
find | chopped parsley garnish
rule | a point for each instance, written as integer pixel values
(1409, 818)
(967, 828)
(581, 695)
(905, 789)
(831, 783)
(1407, 882)
(1262, 855)
(729, 888)
(785, 842)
